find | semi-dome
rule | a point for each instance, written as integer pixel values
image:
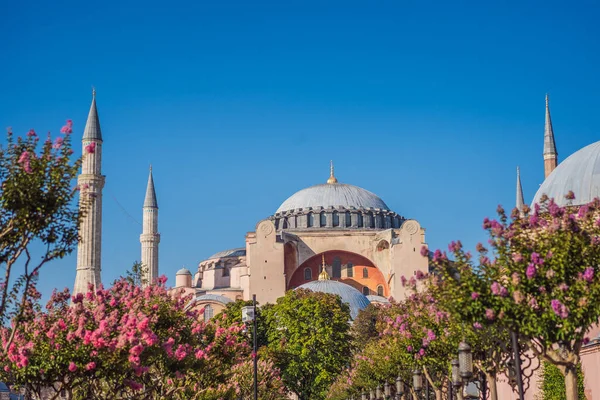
(351, 296)
(332, 195)
(184, 271)
(579, 173)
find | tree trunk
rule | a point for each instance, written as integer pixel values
(491, 383)
(438, 394)
(459, 393)
(571, 382)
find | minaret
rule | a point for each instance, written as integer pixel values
(520, 200)
(550, 154)
(150, 238)
(91, 182)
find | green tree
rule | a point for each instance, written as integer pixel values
(232, 315)
(309, 340)
(542, 280)
(136, 276)
(552, 384)
(364, 328)
(36, 206)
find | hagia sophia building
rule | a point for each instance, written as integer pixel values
(333, 237)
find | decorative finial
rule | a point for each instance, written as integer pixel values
(332, 178)
(150, 167)
(93, 92)
(547, 100)
(323, 276)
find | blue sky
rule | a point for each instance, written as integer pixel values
(237, 105)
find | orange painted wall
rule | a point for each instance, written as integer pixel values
(375, 277)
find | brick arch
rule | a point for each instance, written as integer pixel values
(374, 279)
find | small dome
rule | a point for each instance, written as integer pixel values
(378, 299)
(183, 271)
(355, 299)
(332, 195)
(239, 252)
(579, 173)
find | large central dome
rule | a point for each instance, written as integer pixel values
(332, 195)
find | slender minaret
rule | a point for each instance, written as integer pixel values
(520, 200)
(550, 154)
(150, 238)
(91, 182)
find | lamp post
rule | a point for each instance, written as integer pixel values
(517, 358)
(456, 379)
(465, 361)
(399, 388)
(249, 315)
(386, 391)
(417, 380)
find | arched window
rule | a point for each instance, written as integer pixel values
(348, 219)
(323, 219)
(360, 220)
(380, 290)
(285, 223)
(310, 220)
(366, 291)
(336, 268)
(336, 219)
(365, 272)
(307, 274)
(225, 271)
(208, 312)
(350, 270)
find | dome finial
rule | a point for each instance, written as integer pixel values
(332, 178)
(323, 276)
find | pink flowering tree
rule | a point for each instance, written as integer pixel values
(36, 207)
(125, 342)
(541, 281)
(270, 385)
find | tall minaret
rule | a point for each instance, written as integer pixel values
(91, 182)
(150, 238)
(550, 154)
(520, 200)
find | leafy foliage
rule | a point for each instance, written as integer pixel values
(308, 339)
(36, 206)
(552, 385)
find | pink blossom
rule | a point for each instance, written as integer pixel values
(477, 325)
(588, 274)
(531, 271)
(490, 314)
(72, 366)
(453, 247)
(559, 309)
(58, 142)
(517, 257)
(68, 128)
(31, 133)
(424, 251)
(474, 295)
(90, 148)
(90, 366)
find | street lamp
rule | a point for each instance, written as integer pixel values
(456, 379)
(465, 361)
(399, 387)
(249, 315)
(378, 392)
(417, 380)
(386, 391)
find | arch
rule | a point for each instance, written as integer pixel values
(290, 258)
(350, 270)
(310, 220)
(307, 274)
(208, 312)
(365, 272)
(284, 225)
(360, 220)
(380, 290)
(336, 268)
(383, 245)
(336, 218)
(225, 271)
(348, 219)
(366, 291)
(322, 219)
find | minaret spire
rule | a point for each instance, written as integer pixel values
(150, 238)
(520, 200)
(550, 153)
(323, 276)
(91, 182)
(332, 178)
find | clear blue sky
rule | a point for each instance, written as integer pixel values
(237, 105)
